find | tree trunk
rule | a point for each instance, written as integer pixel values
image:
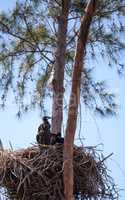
(74, 98)
(58, 77)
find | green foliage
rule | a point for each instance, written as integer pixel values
(96, 96)
(28, 40)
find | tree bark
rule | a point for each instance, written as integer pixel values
(74, 98)
(58, 77)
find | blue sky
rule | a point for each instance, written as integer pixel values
(109, 131)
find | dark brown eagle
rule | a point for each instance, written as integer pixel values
(43, 136)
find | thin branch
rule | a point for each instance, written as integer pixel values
(28, 28)
(72, 18)
(105, 158)
(15, 35)
(110, 11)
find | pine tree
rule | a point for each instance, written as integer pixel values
(38, 42)
(29, 35)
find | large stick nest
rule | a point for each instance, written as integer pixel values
(38, 174)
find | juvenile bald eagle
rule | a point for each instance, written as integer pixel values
(43, 136)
